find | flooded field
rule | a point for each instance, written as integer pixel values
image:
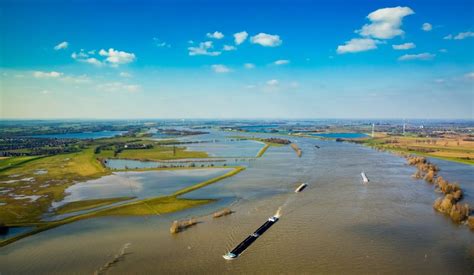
(138, 184)
(341, 135)
(336, 225)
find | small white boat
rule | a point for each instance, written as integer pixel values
(364, 177)
(301, 187)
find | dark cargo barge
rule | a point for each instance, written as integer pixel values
(250, 239)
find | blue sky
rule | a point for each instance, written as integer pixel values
(237, 59)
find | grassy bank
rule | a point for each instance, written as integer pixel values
(88, 204)
(263, 150)
(450, 149)
(155, 206)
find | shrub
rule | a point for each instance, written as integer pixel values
(430, 176)
(223, 212)
(470, 222)
(178, 226)
(457, 195)
(444, 205)
(459, 212)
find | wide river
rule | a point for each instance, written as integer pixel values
(336, 225)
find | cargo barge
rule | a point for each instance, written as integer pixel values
(239, 249)
(301, 187)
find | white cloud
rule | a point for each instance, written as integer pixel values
(112, 57)
(203, 49)
(118, 87)
(92, 60)
(39, 74)
(357, 45)
(281, 62)
(251, 86)
(161, 44)
(420, 56)
(404, 46)
(125, 74)
(45, 92)
(266, 40)
(385, 23)
(240, 37)
(116, 58)
(79, 55)
(61, 46)
(249, 65)
(229, 48)
(215, 35)
(463, 35)
(81, 79)
(426, 27)
(443, 50)
(469, 76)
(459, 36)
(219, 68)
(273, 82)
(448, 37)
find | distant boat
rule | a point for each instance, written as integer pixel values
(317, 146)
(364, 177)
(301, 187)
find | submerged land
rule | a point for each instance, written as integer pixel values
(41, 160)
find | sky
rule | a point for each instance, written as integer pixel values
(236, 59)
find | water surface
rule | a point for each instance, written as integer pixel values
(139, 184)
(340, 135)
(336, 225)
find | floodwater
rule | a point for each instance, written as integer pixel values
(119, 164)
(228, 148)
(139, 184)
(83, 135)
(341, 135)
(336, 225)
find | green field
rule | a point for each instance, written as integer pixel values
(156, 206)
(11, 162)
(449, 148)
(161, 153)
(24, 180)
